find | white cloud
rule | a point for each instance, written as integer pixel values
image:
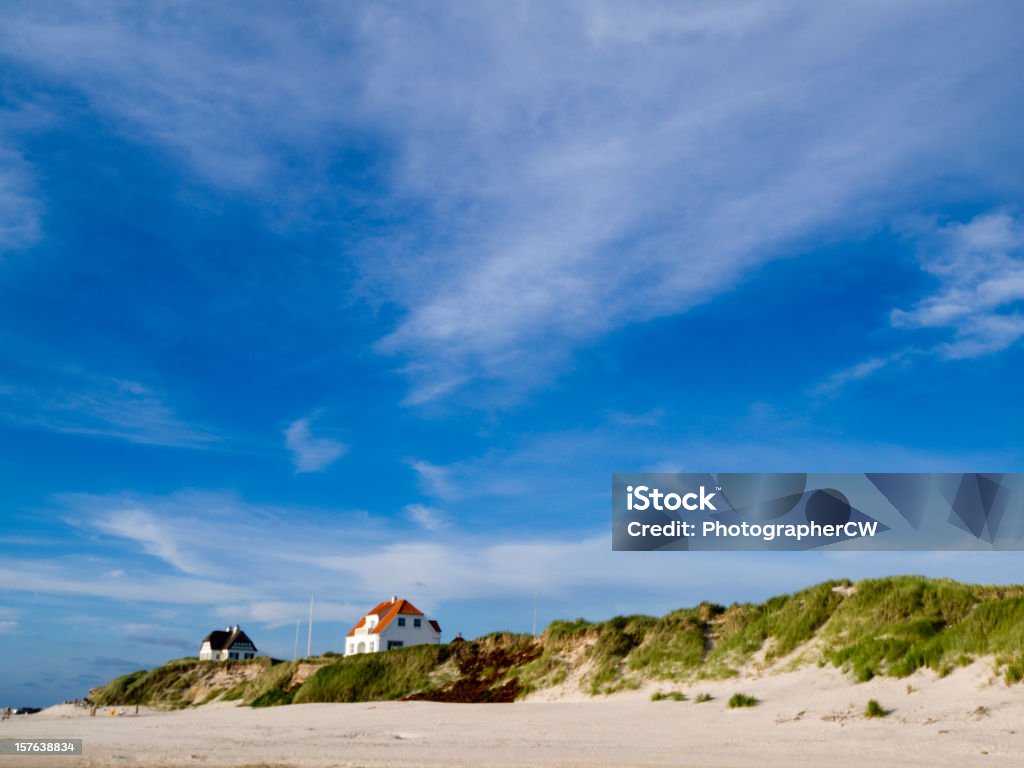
(309, 453)
(150, 531)
(77, 577)
(854, 373)
(297, 556)
(427, 518)
(434, 480)
(646, 172)
(477, 569)
(8, 621)
(979, 266)
(597, 164)
(290, 553)
(192, 530)
(85, 404)
(20, 208)
(279, 613)
(861, 371)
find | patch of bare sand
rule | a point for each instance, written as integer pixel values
(808, 717)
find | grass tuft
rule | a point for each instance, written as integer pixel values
(874, 709)
(738, 700)
(673, 695)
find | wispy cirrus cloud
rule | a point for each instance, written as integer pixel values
(178, 529)
(427, 518)
(979, 267)
(862, 371)
(155, 536)
(434, 479)
(279, 613)
(978, 297)
(20, 208)
(350, 563)
(593, 213)
(8, 621)
(311, 453)
(86, 404)
(598, 165)
(83, 577)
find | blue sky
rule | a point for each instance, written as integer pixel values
(362, 299)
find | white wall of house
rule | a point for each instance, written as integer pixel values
(362, 644)
(241, 651)
(409, 634)
(206, 653)
(237, 651)
(394, 632)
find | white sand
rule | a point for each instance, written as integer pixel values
(812, 717)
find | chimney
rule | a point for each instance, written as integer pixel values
(227, 629)
(236, 627)
(394, 598)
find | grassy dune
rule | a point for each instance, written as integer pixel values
(892, 626)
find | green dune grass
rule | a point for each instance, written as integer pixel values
(892, 626)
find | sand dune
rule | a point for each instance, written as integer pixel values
(810, 717)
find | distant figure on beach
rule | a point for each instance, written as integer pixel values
(92, 711)
(7, 713)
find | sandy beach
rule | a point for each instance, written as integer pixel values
(810, 717)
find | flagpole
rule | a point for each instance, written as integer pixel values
(309, 638)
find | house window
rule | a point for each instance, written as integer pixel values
(392, 644)
(401, 621)
(417, 623)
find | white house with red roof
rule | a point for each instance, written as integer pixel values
(392, 624)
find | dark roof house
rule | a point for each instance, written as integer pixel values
(224, 644)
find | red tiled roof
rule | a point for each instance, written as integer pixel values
(386, 611)
(435, 625)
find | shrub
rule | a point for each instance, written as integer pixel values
(674, 695)
(742, 700)
(874, 709)
(703, 697)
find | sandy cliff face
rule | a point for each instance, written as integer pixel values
(189, 682)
